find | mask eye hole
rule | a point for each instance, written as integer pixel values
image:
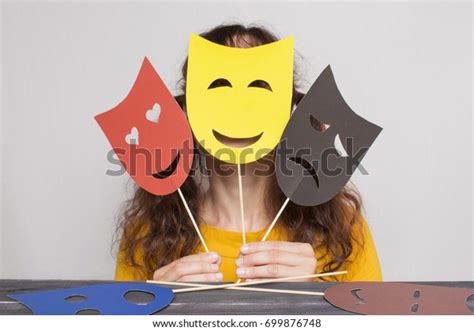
(360, 300)
(75, 298)
(340, 147)
(317, 124)
(220, 82)
(139, 297)
(88, 312)
(261, 84)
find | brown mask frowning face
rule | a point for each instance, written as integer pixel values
(322, 145)
(399, 299)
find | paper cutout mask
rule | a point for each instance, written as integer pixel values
(106, 299)
(239, 94)
(150, 134)
(399, 299)
(313, 162)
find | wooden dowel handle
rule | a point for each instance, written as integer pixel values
(258, 282)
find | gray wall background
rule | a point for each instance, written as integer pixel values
(406, 67)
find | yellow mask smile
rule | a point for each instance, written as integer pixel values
(239, 99)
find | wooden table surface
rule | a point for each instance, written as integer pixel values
(215, 302)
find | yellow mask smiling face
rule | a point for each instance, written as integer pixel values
(239, 99)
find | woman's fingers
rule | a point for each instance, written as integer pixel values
(273, 256)
(214, 277)
(267, 271)
(273, 259)
(259, 246)
(202, 257)
(184, 268)
(210, 258)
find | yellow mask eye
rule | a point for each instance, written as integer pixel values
(239, 99)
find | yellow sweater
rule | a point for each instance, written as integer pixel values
(363, 264)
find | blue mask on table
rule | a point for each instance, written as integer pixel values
(105, 299)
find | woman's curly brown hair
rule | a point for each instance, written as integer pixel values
(160, 228)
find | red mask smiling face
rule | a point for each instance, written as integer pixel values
(150, 134)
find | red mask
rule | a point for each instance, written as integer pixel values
(150, 134)
(388, 298)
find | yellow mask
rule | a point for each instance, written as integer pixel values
(239, 93)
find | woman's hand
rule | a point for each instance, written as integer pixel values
(275, 259)
(192, 268)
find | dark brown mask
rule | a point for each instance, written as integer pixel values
(399, 299)
(310, 168)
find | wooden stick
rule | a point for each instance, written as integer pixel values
(251, 289)
(258, 282)
(203, 242)
(242, 217)
(270, 228)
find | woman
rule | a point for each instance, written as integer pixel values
(159, 241)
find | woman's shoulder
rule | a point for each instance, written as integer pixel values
(363, 263)
(125, 270)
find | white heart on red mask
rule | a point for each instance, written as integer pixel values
(153, 115)
(132, 137)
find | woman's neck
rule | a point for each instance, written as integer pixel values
(221, 204)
